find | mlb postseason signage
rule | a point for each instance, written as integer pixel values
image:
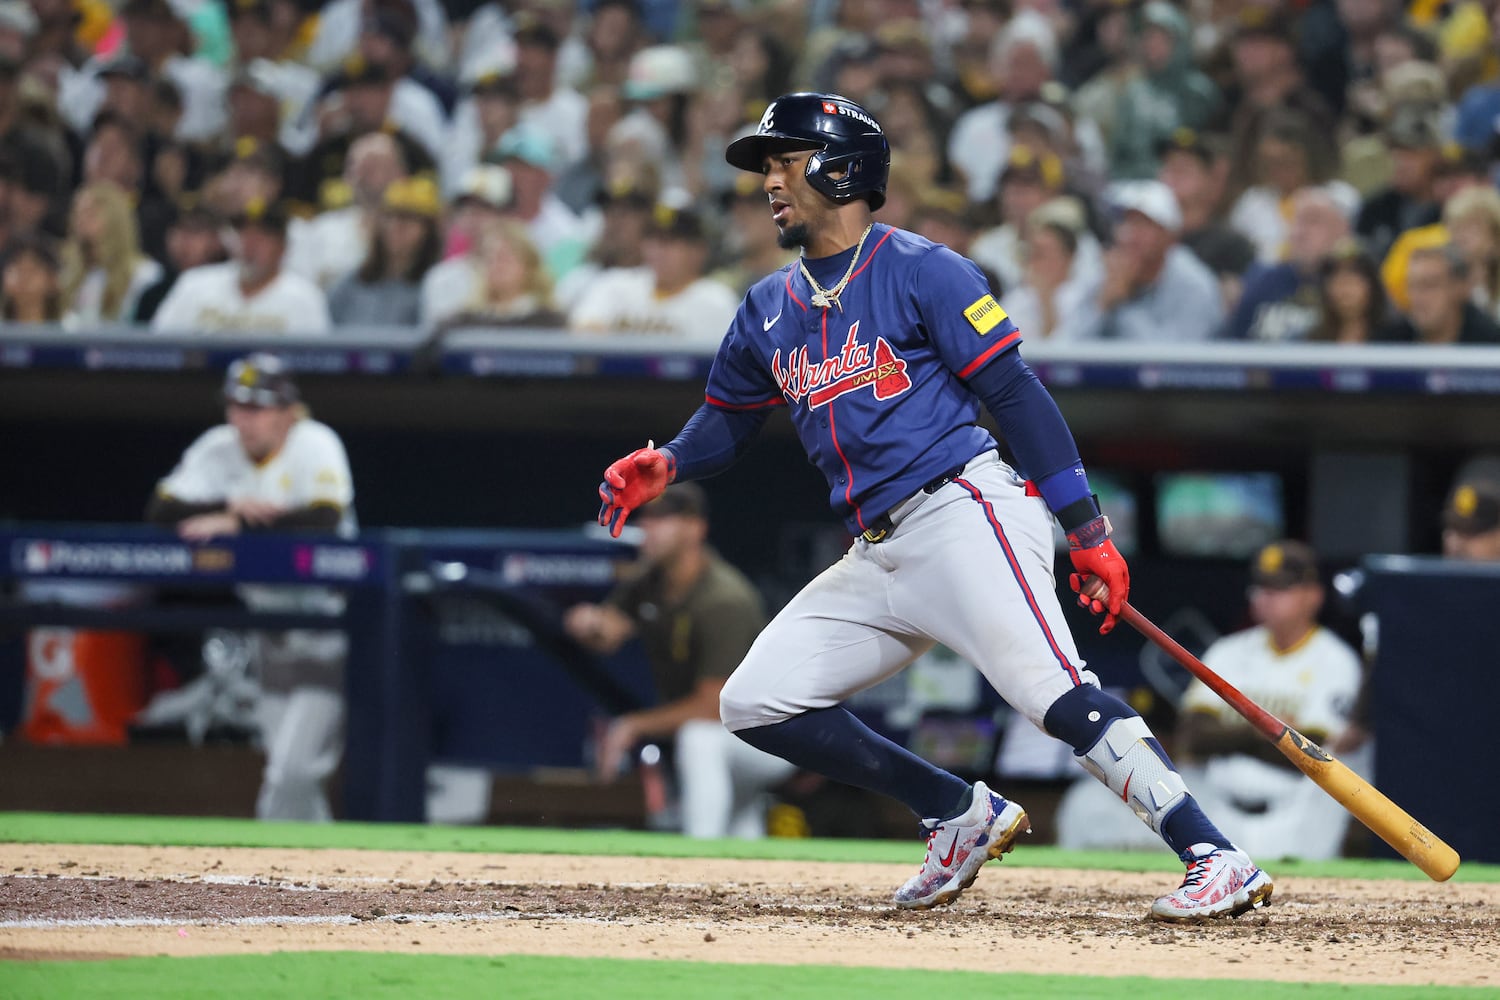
(122, 349)
(1214, 367)
(147, 555)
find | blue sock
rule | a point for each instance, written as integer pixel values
(1187, 825)
(834, 743)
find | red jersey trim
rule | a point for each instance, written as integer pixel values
(792, 293)
(866, 264)
(973, 366)
(760, 405)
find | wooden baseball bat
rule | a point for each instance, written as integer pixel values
(1386, 820)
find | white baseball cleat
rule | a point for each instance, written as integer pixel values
(1220, 881)
(956, 849)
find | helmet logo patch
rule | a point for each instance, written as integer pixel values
(829, 108)
(767, 120)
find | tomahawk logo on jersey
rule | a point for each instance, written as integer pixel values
(852, 368)
(916, 319)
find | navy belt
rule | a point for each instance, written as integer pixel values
(881, 527)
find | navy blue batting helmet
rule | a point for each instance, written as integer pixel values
(846, 137)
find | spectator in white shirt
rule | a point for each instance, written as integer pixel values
(1153, 288)
(670, 295)
(251, 293)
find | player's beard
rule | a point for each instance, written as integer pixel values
(793, 236)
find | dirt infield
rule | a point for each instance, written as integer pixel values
(90, 902)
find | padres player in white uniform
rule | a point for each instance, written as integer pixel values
(1295, 669)
(270, 466)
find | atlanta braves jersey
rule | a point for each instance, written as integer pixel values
(916, 319)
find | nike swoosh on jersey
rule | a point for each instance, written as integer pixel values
(766, 324)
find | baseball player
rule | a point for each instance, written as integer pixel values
(883, 345)
(1303, 674)
(271, 467)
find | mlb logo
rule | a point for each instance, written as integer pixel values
(829, 108)
(37, 557)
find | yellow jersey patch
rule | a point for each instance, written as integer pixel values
(984, 315)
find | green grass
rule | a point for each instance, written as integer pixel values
(370, 976)
(192, 832)
(524, 977)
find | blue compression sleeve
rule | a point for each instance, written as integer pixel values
(713, 439)
(1036, 432)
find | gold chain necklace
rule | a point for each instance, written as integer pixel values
(825, 297)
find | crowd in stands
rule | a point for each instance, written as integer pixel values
(1267, 170)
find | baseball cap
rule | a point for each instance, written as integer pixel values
(412, 196)
(1283, 564)
(193, 213)
(265, 155)
(627, 192)
(671, 222)
(1256, 21)
(529, 29)
(1151, 198)
(1046, 169)
(262, 214)
(933, 201)
(1042, 116)
(155, 9)
(497, 82)
(259, 9)
(358, 70)
(260, 379)
(527, 144)
(659, 70)
(1414, 127)
(486, 183)
(1473, 507)
(681, 499)
(1186, 140)
(17, 16)
(260, 76)
(1456, 159)
(125, 66)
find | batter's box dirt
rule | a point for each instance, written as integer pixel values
(88, 902)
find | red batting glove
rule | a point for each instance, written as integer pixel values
(1094, 555)
(635, 479)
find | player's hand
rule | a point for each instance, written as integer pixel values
(614, 749)
(1097, 561)
(202, 527)
(635, 479)
(257, 512)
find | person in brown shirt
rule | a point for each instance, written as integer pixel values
(696, 617)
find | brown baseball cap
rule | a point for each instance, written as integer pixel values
(1284, 564)
(682, 499)
(1473, 507)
